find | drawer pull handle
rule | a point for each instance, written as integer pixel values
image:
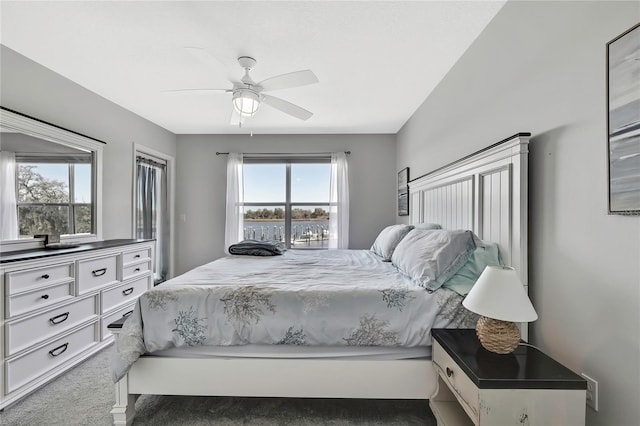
(126, 314)
(99, 272)
(45, 276)
(45, 296)
(56, 320)
(136, 270)
(127, 291)
(137, 256)
(449, 372)
(61, 348)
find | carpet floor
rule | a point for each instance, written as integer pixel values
(85, 395)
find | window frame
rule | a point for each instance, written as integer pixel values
(288, 205)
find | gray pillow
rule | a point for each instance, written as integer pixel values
(388, 239)
(431, 257)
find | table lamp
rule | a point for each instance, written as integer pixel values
(499, 297)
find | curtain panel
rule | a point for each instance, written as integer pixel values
(235, 197)
(8, 201)
(339, 202)
(152, 220)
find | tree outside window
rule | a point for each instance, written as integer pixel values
(54, 197)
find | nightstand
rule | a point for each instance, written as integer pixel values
(478, 387)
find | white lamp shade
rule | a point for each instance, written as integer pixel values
(499, 294)
(246, 102)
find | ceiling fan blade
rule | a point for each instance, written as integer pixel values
(292, 79)
(214, 62)
(196, 91)
(287, 107)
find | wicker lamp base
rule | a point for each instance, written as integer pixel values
(501, 337)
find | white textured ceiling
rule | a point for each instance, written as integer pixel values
(376, 61)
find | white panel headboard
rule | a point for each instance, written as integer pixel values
(485, 192)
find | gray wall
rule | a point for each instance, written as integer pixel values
(32, 89)
(201, 186)
(539, 67)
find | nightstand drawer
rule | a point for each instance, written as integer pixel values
(457, 380)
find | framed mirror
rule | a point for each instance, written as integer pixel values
(50, 183)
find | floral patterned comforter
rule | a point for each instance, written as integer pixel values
(334, 297)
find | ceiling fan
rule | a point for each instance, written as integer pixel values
(247, 95)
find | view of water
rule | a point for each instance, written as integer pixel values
(313, 234)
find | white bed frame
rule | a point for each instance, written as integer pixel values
(485, 192)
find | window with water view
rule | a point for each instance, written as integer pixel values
(287, 201)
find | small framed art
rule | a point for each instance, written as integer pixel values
(403, 192)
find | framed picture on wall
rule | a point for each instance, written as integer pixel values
(623, 122)
(403, 192)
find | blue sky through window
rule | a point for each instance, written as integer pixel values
(267, 182)
(60, 172)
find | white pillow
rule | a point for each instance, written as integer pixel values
(431, 257)
(388, 239)
(426, 225)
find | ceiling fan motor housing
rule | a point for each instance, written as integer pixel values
(247, 62)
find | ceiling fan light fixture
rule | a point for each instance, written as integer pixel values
(246, 102)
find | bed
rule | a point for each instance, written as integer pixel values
(482, 197)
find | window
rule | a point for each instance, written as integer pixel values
(152, 210)
(54, 194)
(26, 140)
(287, 200)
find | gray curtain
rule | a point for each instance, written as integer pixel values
(152, 220)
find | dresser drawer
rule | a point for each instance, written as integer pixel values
(135, 269)
(29, 367)
(29, 331)
(458, 381)
(114, 316)
(136, 255)
(124, 293)
(96, 273)
(40, 298)
(32, 279)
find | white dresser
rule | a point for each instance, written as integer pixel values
(58, 303)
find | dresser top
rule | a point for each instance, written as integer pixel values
(20, 255)
(526, 368)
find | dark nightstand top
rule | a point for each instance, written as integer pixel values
(525, 368)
